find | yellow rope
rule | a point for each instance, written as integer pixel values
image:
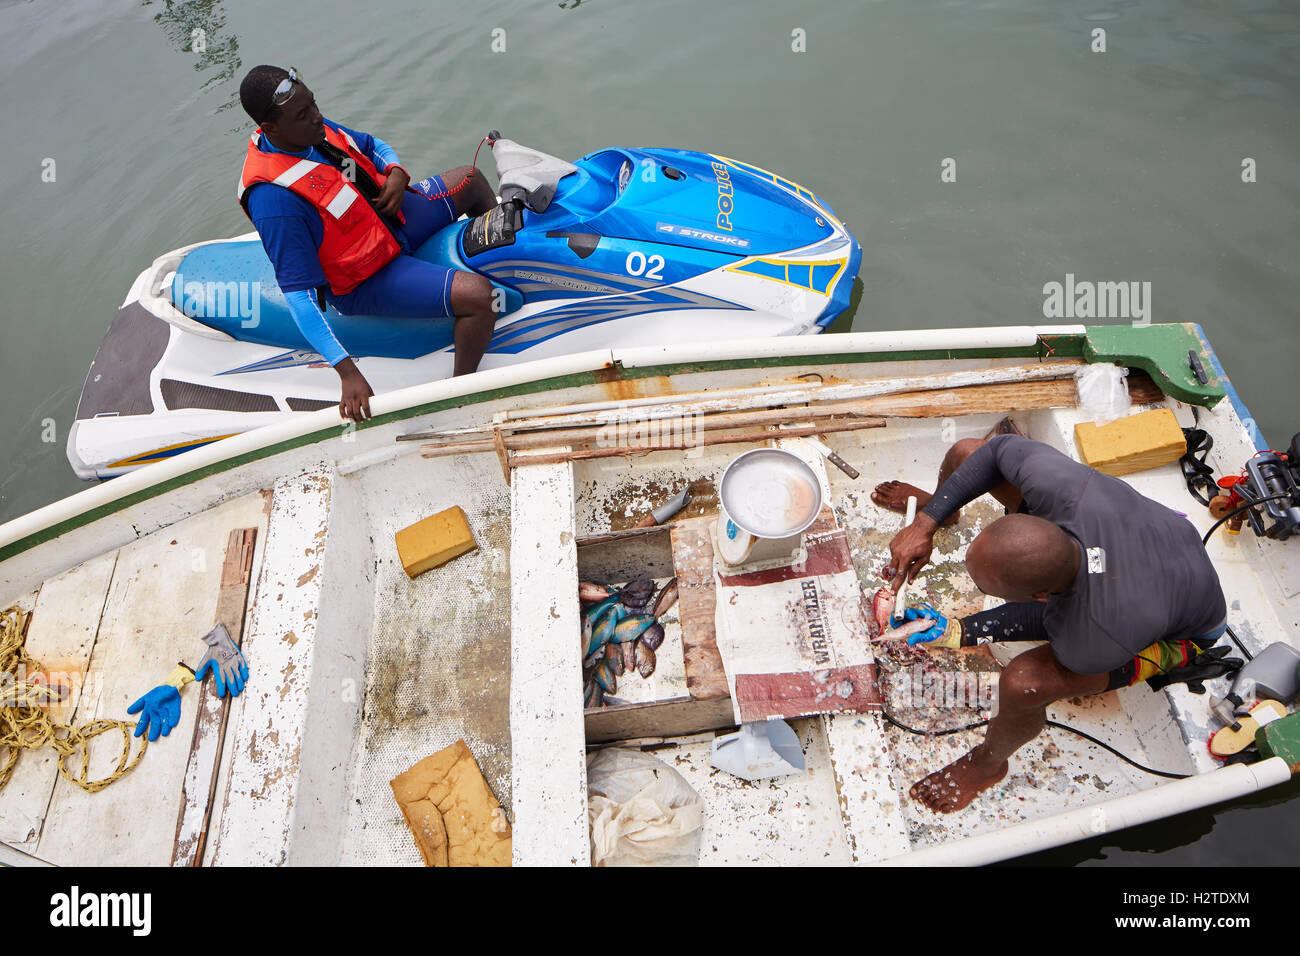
(25, 726)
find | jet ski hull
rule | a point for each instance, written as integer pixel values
(637, 247)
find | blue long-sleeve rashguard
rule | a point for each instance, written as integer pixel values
(291, 233)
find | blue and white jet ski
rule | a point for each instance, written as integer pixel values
(624, 247)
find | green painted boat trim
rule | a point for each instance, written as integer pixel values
(1281, 738)
(1159, 350)
(189, 477)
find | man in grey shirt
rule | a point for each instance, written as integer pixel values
(1119, 585)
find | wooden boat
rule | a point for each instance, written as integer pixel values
(358, 671)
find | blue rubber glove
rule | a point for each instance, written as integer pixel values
(162, 711)
(948, 635)
(225, 662)
(162, 705)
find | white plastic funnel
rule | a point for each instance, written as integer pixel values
(764, 748)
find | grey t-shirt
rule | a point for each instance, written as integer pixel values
(1143, 572)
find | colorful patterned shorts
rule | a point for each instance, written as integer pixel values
(1162, 657)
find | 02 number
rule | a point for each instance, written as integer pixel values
(637, 264)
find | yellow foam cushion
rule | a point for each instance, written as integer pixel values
(1140, 441)
(452, 812)
(434, 540)
(1225, 741)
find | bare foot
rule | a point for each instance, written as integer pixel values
(894, 494)
(956, 785)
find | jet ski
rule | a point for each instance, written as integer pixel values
(621, 248)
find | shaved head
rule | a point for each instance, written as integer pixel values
(1022, 558)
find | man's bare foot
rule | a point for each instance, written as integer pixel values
(894, 494)
(956, 785)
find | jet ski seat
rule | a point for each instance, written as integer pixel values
(231, 287)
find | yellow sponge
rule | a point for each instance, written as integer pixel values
(1225, 741)
(1131, 444)
(434, 540)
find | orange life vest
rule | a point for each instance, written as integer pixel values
(356, 244)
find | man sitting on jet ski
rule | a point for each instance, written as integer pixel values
(341, 222)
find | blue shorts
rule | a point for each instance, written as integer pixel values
(409, 288)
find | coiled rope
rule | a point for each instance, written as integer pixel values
(26, 726)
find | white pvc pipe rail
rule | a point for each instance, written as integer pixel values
(1166, 800)
(938, 340)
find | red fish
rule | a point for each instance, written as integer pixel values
(882, 609)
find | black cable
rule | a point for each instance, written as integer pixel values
(1201, 475)
(1242, 647)
(1051, 723)
(1232, 514)
(1126, 759)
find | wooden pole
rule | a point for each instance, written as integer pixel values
(797, 431)
(577, 436)
(966, 400)
(744, 399)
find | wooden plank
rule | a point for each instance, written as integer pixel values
(964, 400)
(996, 399)
(677, 717)
(213, 712)
(676, 405)
(693, 558)
(547, 741)
(61, 636)
(604, 434)
(605, 537)
(270, 717)
(679, 443)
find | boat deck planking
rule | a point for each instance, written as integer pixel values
(126, 617)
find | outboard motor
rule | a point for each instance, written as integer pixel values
(1266, 493)
(1271, 475)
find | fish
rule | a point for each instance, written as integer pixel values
(605, 626)
(589, 592)
(594, 642)
(614, 655)
(591, 660)
(605, 677)
(666, 599)
(597, 610)
(882, 610)
(645, 659)
(611, 701)
(653, 636)
(592, 695)
(637, 593)
(627, 651)
(631, 627)
(904, 630)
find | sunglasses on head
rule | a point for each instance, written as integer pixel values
(284, 92)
